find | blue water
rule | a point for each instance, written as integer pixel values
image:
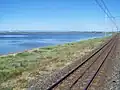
(21, 42)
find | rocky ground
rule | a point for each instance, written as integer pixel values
(113, 79)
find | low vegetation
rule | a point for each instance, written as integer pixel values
(16, 70)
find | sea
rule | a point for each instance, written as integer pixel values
(12, 43)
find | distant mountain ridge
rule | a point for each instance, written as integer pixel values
(69, 32)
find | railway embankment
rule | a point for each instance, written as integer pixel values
(17, 70)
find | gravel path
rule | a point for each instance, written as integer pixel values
(113, 76)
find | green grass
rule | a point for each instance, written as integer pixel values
(42, 61)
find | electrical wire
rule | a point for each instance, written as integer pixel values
(109, 15)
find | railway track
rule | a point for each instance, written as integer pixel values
(89, 75)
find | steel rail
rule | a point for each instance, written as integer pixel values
(88, 67)
(86, 88)
(64, 77)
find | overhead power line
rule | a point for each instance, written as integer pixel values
(107, 9)
(107, 12)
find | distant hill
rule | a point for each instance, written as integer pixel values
(7, 32)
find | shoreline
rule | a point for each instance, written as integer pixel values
(15, 44)
(26, 50)
(19, 68)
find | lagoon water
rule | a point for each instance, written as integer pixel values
(12, 43)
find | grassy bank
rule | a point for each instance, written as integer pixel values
(16, 70)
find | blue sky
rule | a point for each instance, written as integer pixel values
(55, 15)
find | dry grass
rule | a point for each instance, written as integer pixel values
(17, 70)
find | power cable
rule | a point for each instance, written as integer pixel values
(109, 15)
